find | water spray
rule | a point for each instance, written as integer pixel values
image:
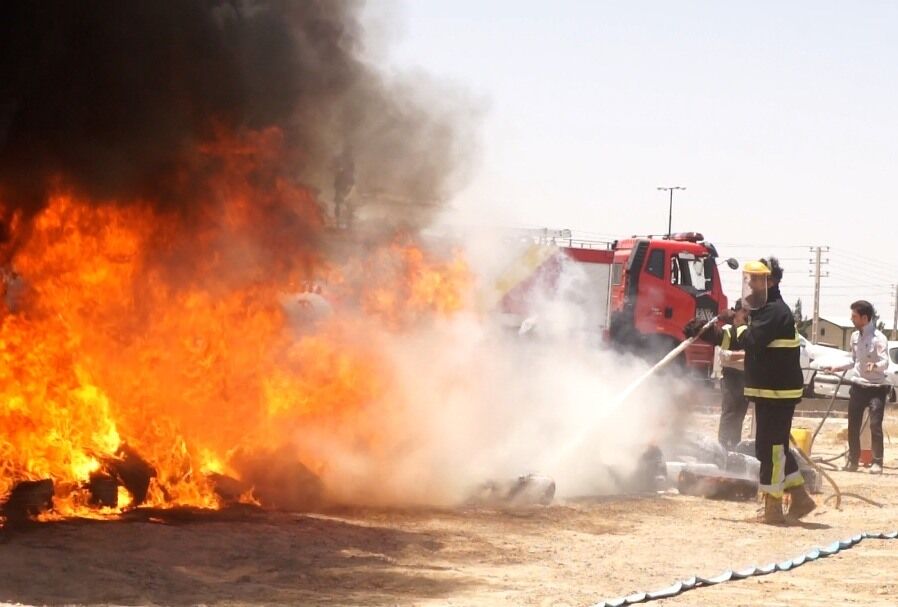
(577, 440)
(663, 362)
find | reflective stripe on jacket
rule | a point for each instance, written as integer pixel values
(727, 342)
(773, 352)
(731, 340)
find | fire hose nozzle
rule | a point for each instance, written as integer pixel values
(693, 330)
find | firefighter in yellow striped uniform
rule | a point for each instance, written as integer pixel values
(733, 405)
(774, 382)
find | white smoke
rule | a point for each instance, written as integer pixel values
(481, 401)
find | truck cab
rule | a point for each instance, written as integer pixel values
(637, 292)
(658, 284)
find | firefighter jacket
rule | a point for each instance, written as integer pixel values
(773, 352)
(731, 339)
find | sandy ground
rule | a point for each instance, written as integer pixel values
(575, 552)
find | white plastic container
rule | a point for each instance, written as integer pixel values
(673, 471)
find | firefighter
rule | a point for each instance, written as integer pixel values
(733, 403)
(774, 382)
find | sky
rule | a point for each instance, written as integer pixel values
(779, 118)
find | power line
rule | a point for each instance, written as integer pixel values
(855, 261)
(849, 266)
(762, 246)
(868, 260)
(842, 289)
(848, 274)
(788, 258)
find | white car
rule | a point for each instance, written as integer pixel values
(892, 371)
(825, 356)
(815, 357)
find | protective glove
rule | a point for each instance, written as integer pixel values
(727, 316)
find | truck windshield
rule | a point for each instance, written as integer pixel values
(687, 270)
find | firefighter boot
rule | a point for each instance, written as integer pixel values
(773, 510)
(802, 503)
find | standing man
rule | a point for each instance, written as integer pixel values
(774, 382)
(869, 388)
(733, 403)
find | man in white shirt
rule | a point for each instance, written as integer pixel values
(869, 388)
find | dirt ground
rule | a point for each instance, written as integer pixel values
(575, 552)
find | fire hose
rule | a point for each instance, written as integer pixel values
(685, 344)
(829, 409)
(813, 554)
(820, 471)
(816, 461)
(676, 351)
(569, 446)
(681, 586)
(826, 415)
(665, 361)
(673, 354)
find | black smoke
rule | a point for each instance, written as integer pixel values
(112, 99)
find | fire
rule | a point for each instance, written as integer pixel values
(402, 286)
(128, 331)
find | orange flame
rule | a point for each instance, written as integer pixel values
(132, 330)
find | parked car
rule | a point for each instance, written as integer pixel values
(824, 384)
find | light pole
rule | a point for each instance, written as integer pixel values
(670, 209)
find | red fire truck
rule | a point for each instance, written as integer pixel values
(639, 292)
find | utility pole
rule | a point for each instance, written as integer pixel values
(815, 323)
(895, 321)
(670, 208)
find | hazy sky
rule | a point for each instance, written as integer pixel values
(781, 119)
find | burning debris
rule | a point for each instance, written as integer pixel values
(105, 354)
(165, 176)
(103, 491)
(127, 469)
(700, 466)
(525, 490)
(28, 499)
(716, 485)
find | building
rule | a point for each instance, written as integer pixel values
(838, 333)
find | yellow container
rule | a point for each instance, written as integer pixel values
(802, 438)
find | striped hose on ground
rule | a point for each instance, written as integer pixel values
(682, 586)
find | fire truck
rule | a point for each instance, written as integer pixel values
(638, 292)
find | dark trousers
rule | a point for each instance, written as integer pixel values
(861, 397)
(732, 409)
(779, 470)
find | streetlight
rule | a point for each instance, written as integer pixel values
(670, 209)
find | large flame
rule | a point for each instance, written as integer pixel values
(138, 326)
